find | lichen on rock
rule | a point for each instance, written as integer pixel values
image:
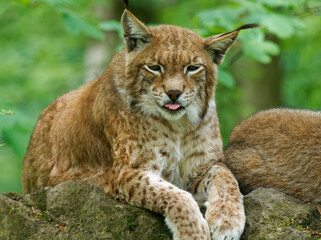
(275, 215)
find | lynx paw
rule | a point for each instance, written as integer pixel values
(226, 231)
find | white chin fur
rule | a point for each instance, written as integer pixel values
(172, 116)
(193, 113)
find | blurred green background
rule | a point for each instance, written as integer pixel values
(48, 47)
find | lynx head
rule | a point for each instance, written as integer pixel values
(171, 71)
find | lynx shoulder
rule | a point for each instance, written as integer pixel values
(146, 132)
(281, 149)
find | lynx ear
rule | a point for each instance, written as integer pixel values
(136, 34)
(217, 45)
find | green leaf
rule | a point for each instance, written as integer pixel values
(225, 78)
(281, 25)
(298, 24)
(281, 3)
(261, 51)
(224, 17)
(53, 3)
(254, 45)
(112, 25)
(76, 25)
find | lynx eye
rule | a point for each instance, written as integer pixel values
(191, 69)
(154, 68)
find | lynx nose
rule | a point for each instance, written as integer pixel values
(174, 94)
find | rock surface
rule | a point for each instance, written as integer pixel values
(274, 215)
(71, 210)
(74, 211)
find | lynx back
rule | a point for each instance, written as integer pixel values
(281, 149)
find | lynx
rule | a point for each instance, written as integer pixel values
(281, 149)
(147, 132)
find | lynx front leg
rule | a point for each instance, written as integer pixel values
(225, 212)
(146, 189)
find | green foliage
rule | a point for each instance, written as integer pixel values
(226, 78)
(39, 61)
(301, 86)
(112, 25)
(255, 46)
(74, 22)
(76, 25)
(269, 15)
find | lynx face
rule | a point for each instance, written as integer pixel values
(171, 70)
(172, 75)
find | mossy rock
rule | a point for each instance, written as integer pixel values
(72, 210)
(75, 211)
(275, 215)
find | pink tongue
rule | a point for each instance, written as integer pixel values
(172, 106)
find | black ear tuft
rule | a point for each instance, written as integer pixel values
(217, 45)
(246, 26)
(126, 3)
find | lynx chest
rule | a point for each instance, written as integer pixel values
(182, 154)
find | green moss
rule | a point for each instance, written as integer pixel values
(131, 222)
(161, 236)
(162, 230)
(311, 231)
(40, 200)
(41, 215)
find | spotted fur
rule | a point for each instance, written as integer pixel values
(116, 132)
(281, 149)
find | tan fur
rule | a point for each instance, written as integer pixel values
(116, 133)
(281, 149)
